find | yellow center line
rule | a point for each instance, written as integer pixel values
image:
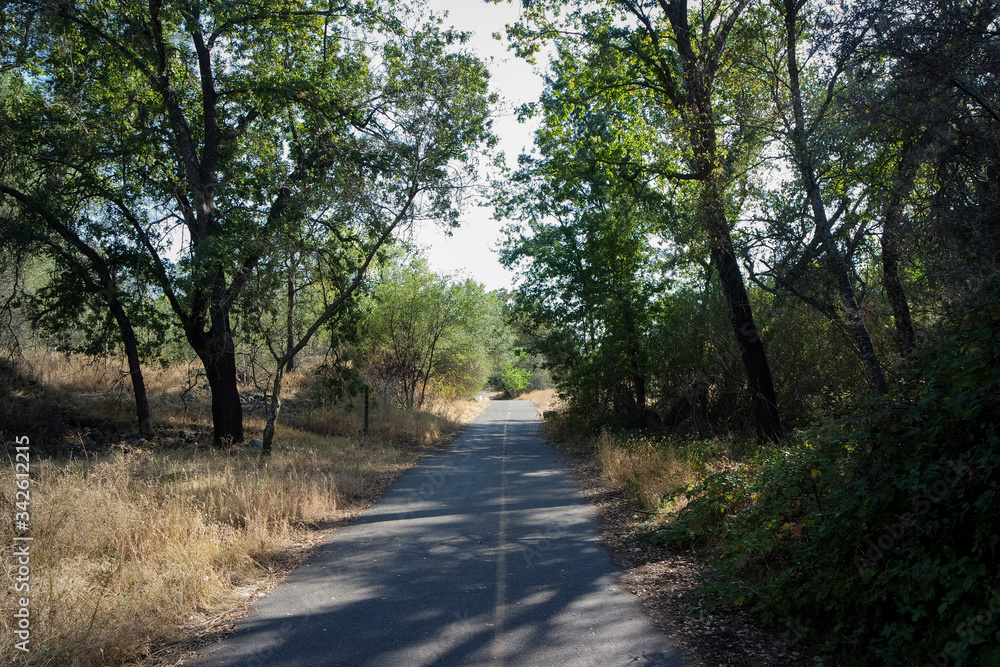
(498, 649)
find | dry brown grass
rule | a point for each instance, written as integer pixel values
(143, 547)
(649, 470)
(139, 548)
(388, 423)
(545, 399)
(76, 373)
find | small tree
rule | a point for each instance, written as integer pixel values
(513, 380)
(421, 329)
(48, 211)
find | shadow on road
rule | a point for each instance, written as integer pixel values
(483, 555)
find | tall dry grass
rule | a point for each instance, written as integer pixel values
(139, 548)
(76, 373)
(649, 470)
(143, 547)
(546, 399)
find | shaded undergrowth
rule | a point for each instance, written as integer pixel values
(875, 535)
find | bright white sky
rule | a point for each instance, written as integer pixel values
(469, 252)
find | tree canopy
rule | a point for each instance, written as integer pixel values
(187, 139)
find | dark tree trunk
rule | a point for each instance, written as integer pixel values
(290, 316)
(427, 371)
(758, 370)
(634, 352)
(134, 368)
(217, 352)
(807, 172)
(765, 403)
(711, 211)
(639, 385)
(227, 411)
(892, 229)
(712, 214)
(906, 336)
(866, 349)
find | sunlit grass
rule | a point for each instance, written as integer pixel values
(649, 470)
(545, 399)
(156, 542)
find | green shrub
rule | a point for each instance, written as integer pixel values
(513, 380)
(877, 535)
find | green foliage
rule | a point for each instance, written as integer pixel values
(422, 332)
(878, 534)
(512, 380)
(584, 243)
(185, 151)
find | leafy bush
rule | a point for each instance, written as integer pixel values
(512, 380)
(878, 534)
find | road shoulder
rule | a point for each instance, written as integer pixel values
(659, 576)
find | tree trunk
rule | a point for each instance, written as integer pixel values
(427, 371)
(134, 368)
(639, 386)
(892, 226)
(906, 336)
(866, 349)
(692, 96)
(807, 172)
(227, 411)
(765, 403)
(758, 371)
(290, 316)
(273, 407)
(409, 385)
(634, 353)
(217, 352)
(700, 117)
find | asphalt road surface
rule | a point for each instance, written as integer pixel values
(482, 555)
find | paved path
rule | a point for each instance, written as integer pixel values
(482, 555)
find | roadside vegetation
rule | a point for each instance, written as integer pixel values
(758, 251)
(141, 547)
(870, 535)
